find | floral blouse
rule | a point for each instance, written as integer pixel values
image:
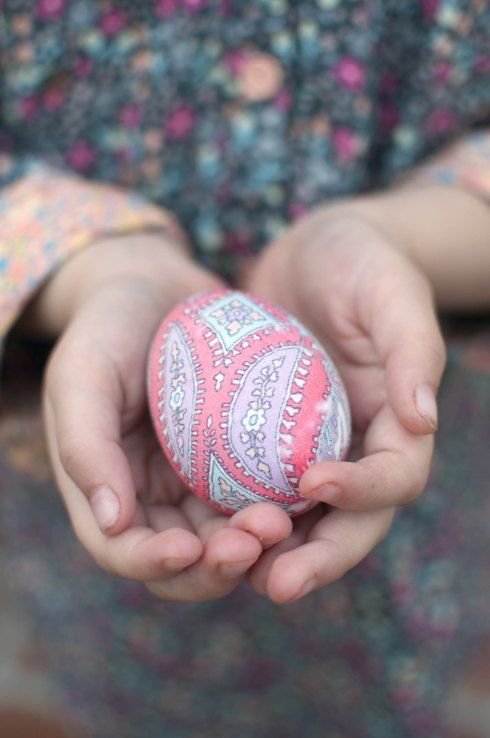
(237, 117)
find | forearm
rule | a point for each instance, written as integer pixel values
(145, 258)
(50, 216)
(446, 231)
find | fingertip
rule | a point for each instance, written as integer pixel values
(113, 506)
(229, 545)
(282, 585)
(143, 555)
(426, 405)
(417, 410)
(106, 508)
(179, 544)
(315, 477)
(264, 520)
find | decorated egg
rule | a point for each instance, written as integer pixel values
(243, 399)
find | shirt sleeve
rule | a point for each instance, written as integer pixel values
(46, 215)
(464, 164)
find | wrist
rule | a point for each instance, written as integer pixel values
(444, 231)
(153, 259)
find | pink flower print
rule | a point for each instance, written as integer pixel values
(388, 117)
(260, 77)
(235, 61)
(194, 6)
(297, 209)
(113, 22)
(123, 156)
(238, 243)
(442, 71)
(350, 73)
(22, 25)
(83, 66)
(441, 121)
(346, 143)
(180, 122)
(429, 8)
(226, 8)
(130, 116)
(483, 64)
(283, 100)
(80, 156)
(53, 99)
(29, 107)
(165, 8)
(389, 83)
(47, 9)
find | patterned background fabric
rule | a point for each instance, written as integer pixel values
(239, 116)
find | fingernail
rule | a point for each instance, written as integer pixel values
(329, 493)
(105, 507)
(425, 402)
(234, 570)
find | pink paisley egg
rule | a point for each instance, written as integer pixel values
(243, 399)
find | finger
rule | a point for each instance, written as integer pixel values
(83, 431)
(259, 573)
(266, 521)
(402, 322)
(154, 479)
(141, 554)
(336, 544)
(394, 470)
(228, 556)
(137, 553)
(204, 519)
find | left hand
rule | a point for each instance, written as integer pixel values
(373, 310)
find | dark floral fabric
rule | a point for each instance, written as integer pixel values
(239, 116)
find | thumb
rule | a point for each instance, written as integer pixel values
(83, 432)
(405, 330)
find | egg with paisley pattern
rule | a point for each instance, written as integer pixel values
(243, 399)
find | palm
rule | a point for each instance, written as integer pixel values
(162, 500)
(326, 298)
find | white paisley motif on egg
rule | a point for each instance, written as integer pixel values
(234, 319)
(178, 395)
(257, 410)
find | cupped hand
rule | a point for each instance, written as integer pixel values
(373, 311)
(126, 505)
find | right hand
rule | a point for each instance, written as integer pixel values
(126, 505)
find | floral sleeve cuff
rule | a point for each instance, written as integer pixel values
(48, 215)
(464, 164)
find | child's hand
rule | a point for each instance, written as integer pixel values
(126, 505)
(373, 311)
